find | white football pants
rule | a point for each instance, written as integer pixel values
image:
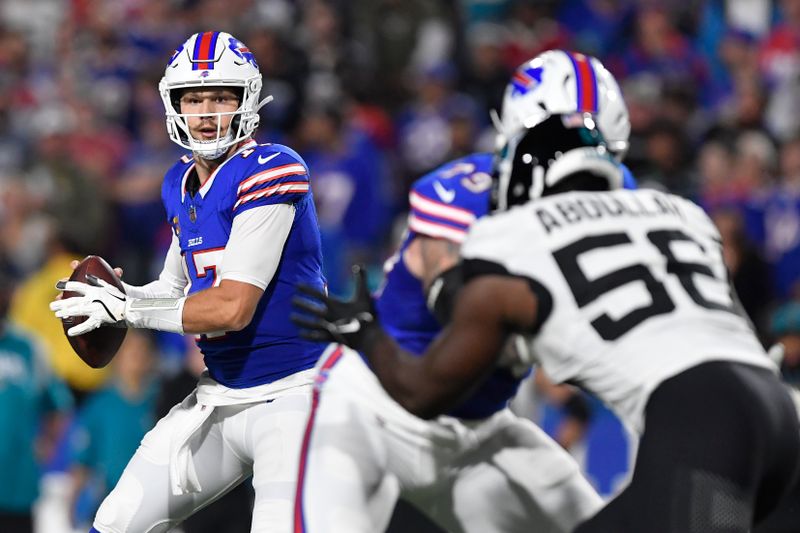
(362, 450)
(235, 441)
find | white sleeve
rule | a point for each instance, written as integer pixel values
(170, 283)
(256, 243)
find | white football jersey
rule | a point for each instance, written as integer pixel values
(632, 289)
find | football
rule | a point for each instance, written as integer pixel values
(98, 346)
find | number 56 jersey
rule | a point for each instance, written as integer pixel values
(631, 289)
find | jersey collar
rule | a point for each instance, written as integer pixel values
(250, 143)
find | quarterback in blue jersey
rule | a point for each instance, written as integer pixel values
(480, 468)
(245, 232)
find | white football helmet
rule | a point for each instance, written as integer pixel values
(557, 81)
(212, 59)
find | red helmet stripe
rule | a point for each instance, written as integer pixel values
(203, 50)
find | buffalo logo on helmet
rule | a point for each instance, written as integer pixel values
(174, 56)
(526, 79)
(241, 51)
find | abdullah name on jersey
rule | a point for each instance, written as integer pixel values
(257, 175)
(631, 286)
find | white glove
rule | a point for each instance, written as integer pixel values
(101, 302)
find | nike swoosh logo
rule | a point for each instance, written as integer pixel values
(264, 160)
(447, 195)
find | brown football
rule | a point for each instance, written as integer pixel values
(97, 347)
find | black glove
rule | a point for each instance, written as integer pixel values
(328, 319)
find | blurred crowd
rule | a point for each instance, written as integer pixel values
(373, 94)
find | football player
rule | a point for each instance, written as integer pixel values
(624, 293)
(480, 468)
(244, 233)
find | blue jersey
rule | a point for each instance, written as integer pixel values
(444, 204)
(269, 348)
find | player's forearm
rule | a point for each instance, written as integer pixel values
(216, 310)
(159, 288)
(404, 376)
(228, 307)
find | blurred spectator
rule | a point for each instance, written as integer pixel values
(660, 49)
(28, 310)
(643, 95)
(111, 424)
(666, 159)
(531, 31)
(742, 112)
(715, 176)
(486, 73)
(285, 69)
(389, 32)
(597, 27)
(482, 11)
(773, 220)
(33, 405)
(735, 58)
(58, 180)
(349, 181)
(728, 36)
(424, 125)
(328, 51)
(136, 196)
(780, 66)
(755, 163)
(748, 270)
(785, 329)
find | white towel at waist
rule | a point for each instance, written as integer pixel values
(182, 474)
(199, 405)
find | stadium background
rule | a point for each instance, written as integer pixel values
(373, 93)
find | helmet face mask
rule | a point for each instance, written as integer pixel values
(218, 60)
(537, 161)
(557, 81)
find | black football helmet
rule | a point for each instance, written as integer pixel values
(537, 162)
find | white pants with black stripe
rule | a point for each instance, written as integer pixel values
(362, 451)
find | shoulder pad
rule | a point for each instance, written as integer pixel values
(445, 202)
(269, 173)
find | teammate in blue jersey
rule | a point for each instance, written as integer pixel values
(245, 232)
(480, 468)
